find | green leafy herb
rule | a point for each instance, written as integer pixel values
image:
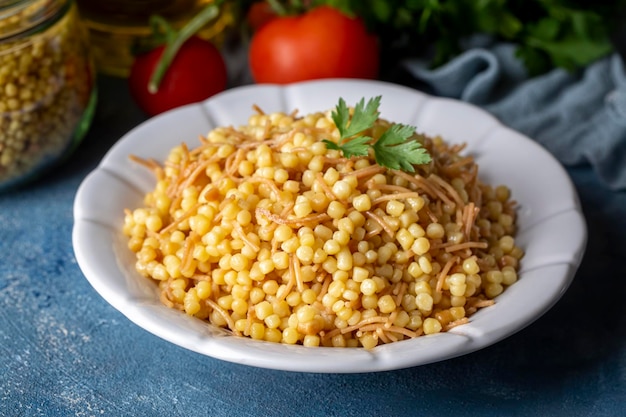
(395, 149)
(548, 33)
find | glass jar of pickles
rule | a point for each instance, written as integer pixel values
(47, 86)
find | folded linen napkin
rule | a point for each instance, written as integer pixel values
(579, 117)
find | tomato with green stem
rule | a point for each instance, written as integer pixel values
(185, 70)
(321, 43)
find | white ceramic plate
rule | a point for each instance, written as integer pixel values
(552, 229)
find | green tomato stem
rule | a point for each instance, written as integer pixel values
(174, 43)
(278, 8)
(161, 28)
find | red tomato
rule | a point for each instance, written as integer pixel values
(197, 72)
(322, 43)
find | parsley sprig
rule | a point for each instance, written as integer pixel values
(395, 148)
(569, 34)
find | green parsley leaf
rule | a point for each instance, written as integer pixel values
(412, 27)
(394, 149)
(363, 118)
(357, 146)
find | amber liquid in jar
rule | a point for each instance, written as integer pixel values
(119, 27)
(47, 92)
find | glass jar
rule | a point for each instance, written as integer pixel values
(117, 28)
(47, 86)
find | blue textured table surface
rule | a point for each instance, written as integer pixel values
(64, 351)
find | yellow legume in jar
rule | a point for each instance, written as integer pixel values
(281, 239)
(46, 88)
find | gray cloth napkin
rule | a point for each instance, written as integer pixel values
(579, 117)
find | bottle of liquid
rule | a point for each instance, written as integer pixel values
(118, 27)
